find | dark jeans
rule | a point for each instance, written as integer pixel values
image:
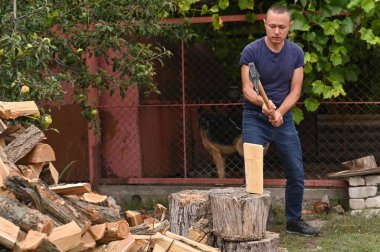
(258, 130)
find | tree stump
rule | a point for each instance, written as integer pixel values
(186, 208)
(267, 244)
(238, 215)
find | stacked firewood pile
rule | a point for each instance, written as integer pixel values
(39, 214)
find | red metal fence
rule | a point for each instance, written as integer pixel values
(158, 139)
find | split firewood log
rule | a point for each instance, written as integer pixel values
(115, 231)
(97, 214)
(40, 153)
(95, 198)
(49, 175)
(8, 233)
(12, 110)
(67, 236)
(134, 218)
(24, 143)
(35, 241)
(25, 217)
(75, 188)
(46, 200)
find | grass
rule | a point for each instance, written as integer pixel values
(338, 233)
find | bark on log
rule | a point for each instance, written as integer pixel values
(47, 201)
(23, 144)
(268, 244)
(97, 214)
(186, 208)
(238, 215)
(24, 217)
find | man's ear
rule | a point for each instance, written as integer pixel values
(265, 21)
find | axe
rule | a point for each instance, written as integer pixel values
(254, 76)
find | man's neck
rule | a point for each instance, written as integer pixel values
(274, 47)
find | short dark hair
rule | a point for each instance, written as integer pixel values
(279, 9)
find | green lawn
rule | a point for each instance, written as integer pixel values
(338, 233)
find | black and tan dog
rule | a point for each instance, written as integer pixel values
(221, 136)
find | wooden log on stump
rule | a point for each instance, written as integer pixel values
(268, 244)
(25, 217)
(367, 162)
(186, 208)
(238, 215)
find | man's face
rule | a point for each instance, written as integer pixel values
(277, 27)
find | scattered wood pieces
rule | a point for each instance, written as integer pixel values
(192, 243)
(40, 153)
(95, 198)
(8, 233)
(134, 218)
(160, 212)
(23, 144)
(115, 231)
(67, 236)
(87, 241)
(36, 241)
(26, 218)
(97, 231)
(124, 245)
(77, 188)
(12, 110)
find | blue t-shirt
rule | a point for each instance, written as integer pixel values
(275, 69)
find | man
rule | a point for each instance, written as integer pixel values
(280, 65)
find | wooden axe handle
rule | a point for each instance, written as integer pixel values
(263, 94)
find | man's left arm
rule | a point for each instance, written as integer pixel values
(291, 98)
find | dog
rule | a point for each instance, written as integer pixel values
(221, 136)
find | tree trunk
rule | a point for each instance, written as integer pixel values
(267, 244)
(186, 208)
(238, 215)
(24, 217)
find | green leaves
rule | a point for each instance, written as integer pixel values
(223, 4)
(297, 115)
(246, 4)
(311, 104)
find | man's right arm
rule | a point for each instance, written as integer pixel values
(250, 94)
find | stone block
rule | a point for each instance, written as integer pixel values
(372, 180)
(356, 181)
(361, 192)
(372, 202)
(357, 204)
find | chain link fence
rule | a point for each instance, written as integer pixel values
(193, 128)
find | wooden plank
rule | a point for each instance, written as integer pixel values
(23, 144)
(12, 110)
(349, 173)
(192, 243)
(8, 233)
(76, 188)
(67, 236)
(366, 162)
(254, 174)
(40, 153)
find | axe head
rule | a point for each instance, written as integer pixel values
(254, 76)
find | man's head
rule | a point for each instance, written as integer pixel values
(277, 24)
